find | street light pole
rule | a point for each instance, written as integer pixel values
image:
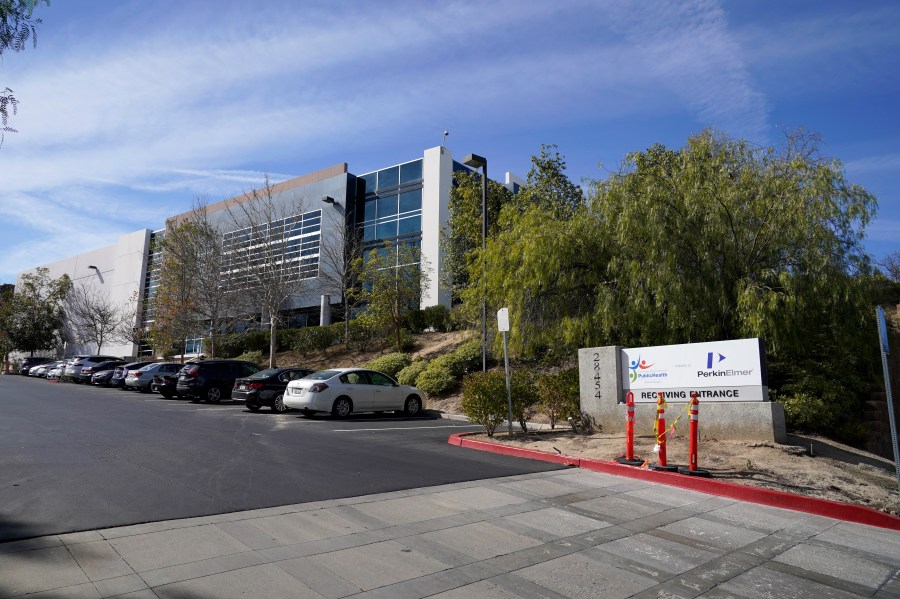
(476, 161)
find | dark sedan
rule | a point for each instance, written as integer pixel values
(266, 387)
(165, 383)
(86, 375)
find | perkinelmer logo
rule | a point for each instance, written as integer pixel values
(709, 359)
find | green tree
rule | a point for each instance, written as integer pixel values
(548, 187)
(7, 292)
(462, 235)
(17, 27)
(175, 302)
(394, 276)
(37, 311)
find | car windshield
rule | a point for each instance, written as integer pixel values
(264, 374)
(322, 375)
(147, 367)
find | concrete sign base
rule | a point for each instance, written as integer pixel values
(601, 397)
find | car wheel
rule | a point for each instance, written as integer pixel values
(342, 407)
(413, 406)
(213, 395)
(278, 404)
(306, 412)
(252, 406)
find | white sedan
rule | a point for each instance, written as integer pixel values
(345, 390)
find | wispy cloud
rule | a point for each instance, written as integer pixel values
(871, 164)
(198, 103)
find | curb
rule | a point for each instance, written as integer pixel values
(800, 503)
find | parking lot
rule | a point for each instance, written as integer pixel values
(77, 457)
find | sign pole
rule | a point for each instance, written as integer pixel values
(503, 327)
(885, 350)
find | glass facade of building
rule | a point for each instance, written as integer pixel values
(290, 243)
(392, 206)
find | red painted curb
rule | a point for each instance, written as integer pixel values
(800, 503)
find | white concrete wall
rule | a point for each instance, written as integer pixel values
(119, 273)
(437, 174)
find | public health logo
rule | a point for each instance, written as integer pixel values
(634, 365)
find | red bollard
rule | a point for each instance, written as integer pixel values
(695, 440)
(628, 459)
(661, 435)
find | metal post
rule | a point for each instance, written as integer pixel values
(883, 335)
(508, 394)
(484, 233)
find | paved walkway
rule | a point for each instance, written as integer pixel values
(567, 533)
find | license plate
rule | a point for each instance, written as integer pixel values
(296, 391)
(243, 386)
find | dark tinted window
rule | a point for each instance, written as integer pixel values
(264, 374)
(370, 182)
(411, 200)
(411, 171)
(387, 206)
(380, 379)
(389, 177)
(248, 369)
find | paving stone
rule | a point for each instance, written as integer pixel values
(481, 589)
(80, 591)
(156, 550)
(99, 560)
(259, 581)
(113, 587)
(324, 545)
(409, 509)
(386, 563)
(764, 583)
(475, 498)
(837, 564)
(557, 522)
(142, 529)
(145, 594)
(431, 584)
(670, 496)
(701, 532)
(586, 478)
(301, 527)
(249, 534)
(710, 574)
(655, 553)
(38, 570)
(442, 553)
(319, 579)
(580, 577)
(481, 541)
(759, 517)
(30, 544)
(666, 590)
(216, 565)
(541, 487)
(80, 537)
(877, 541)
(620, 507)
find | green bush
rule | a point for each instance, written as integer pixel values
(437, 318)
(436, 378)
(363, 334)
(484, 399)
(253, 356)
(524, 396)
(449, 362)
(468, 355)
(559, 395)
(286, 339)
(229, 346)
(832, 416)
(408, 375)
(255, 341)
(416, 321)
(407, 341)
(390, 363)
(319, 339)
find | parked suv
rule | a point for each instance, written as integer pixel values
(212, 380)
(25, 364)
(74, 366)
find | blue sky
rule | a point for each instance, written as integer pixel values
(129, 110)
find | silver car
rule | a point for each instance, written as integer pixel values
(141, 378)
(74, 366)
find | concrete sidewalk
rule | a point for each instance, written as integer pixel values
(568, 533)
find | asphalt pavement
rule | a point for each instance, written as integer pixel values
(77, 458)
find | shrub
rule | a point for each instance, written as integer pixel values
(805, 412)
(363, 333)
(253, 356)
(408, 375)
(450, 363)
(407, 341)
(286, 339)
(484, 399)
(559, 395)
(524, 396)
(391, 363)
(416, 320)
(468, 355)
(436, 378)
(255, 341)
(437, 318)
(316, 339)
(228, 346)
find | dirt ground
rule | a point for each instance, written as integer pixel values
(807, 465)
